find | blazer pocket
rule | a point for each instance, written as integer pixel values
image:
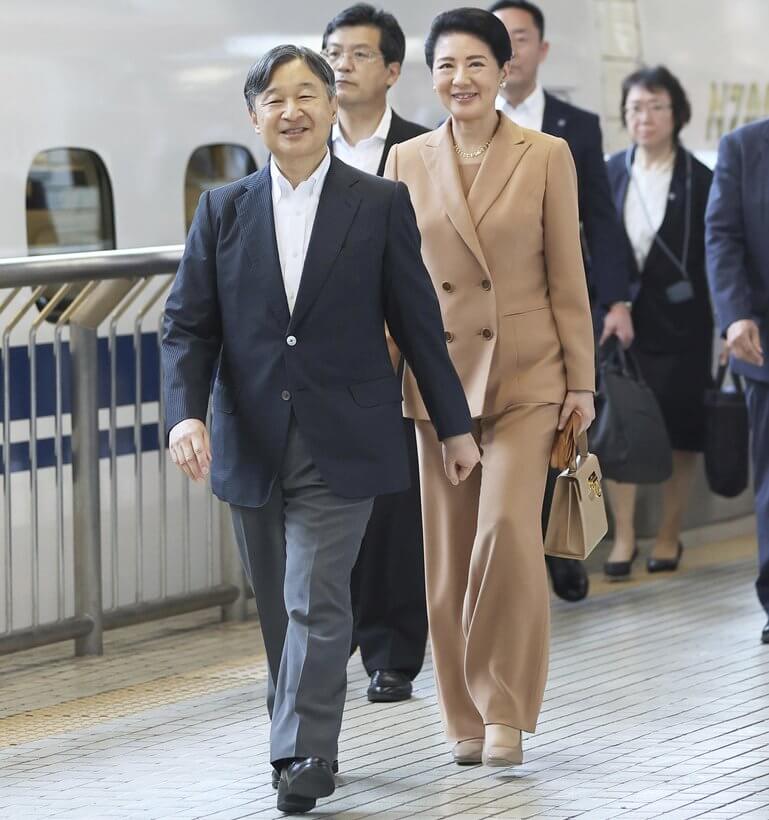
(525, 310)
(224, 397)
(377, 391)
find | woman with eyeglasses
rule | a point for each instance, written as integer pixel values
(661, 191)
(497, 209)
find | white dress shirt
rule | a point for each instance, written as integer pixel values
(294, 211)
(645, 205)
(367, 154)
(528, 114)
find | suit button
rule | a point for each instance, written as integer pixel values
(448, 287)
(486, 285)
(487, 333)
(291, 341)
(285, 395)
(449, 336)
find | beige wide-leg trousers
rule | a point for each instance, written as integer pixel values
(487, 593)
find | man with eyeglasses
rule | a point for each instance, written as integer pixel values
(366, 47)
(523, 99)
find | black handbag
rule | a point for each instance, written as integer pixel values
(629, 435)
(726, 436)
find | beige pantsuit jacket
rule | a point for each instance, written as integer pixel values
(514, 300)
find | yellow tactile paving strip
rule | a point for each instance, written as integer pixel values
(118, 703)
(49, 692)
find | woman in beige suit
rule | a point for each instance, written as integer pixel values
(497, 208)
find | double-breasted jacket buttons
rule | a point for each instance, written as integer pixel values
(449, 336)
(487, 333)
(486, 284)
(448, 287)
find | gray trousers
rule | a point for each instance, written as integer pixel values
(299, 550)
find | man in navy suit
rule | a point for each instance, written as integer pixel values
(737, 243)
(523, 99)
(287, 281)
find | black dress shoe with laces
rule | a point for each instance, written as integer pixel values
(569, 578)
(388, 686)
(665, 564)
(620, 570)
(765, 633)
(276, 773)
(302, 782)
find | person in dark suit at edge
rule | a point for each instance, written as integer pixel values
(287, 281)
(523, 99)
(365, 47)
(737, 242)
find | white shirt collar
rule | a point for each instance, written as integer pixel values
(533, 107)
(381, 132)
(311, 186)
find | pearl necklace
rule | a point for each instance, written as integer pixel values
(473, 154)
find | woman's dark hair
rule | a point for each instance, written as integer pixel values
(523, 5)
(392, 40)
(260, 73)
(658, 78)
(481, 24)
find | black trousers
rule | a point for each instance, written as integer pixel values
(388, 580)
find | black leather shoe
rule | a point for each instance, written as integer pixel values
(302, 782)
(620, 570)
(665, 564)
(388, 686)
(276, 773)
(765, 633)
(569, 578)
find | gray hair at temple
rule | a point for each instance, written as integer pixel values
(260, 73)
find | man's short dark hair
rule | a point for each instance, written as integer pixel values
(392, 40)
(659, 78)
(481, 24)
(523, 5)
(260, 73)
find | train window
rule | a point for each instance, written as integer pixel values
(213, 165)
(69, 203)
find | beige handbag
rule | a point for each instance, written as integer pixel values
(577, 520)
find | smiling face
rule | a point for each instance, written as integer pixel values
(466, 75)
(362, 78)
(294, 114)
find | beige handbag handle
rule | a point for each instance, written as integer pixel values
(581, 451)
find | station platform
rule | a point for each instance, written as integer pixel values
(657, 706)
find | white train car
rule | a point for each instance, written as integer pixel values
(117, 115)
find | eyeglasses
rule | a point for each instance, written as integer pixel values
(359, 56)
(654, 109)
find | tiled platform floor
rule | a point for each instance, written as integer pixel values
(658, 706)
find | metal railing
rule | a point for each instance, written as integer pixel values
(70, 503)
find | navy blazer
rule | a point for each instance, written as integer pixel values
(400, 130)
(606, 265)
(737, 235)
(660, 326)
(327, 362)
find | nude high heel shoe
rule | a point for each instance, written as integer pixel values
(502, 746)
(468, 752)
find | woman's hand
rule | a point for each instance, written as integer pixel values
(581, 402)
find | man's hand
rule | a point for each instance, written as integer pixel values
(580, 402)
(460, 455)
(190, 448)
(744, 342)
(619, 323)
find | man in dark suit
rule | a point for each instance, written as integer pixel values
(523, 99)
(366, 47)
(737, 245)
(288, 278)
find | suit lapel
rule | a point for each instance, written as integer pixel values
(257, 229)
(505, 152)
(336, 210)
(440, 160)
(553, 121)
(391, 139)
